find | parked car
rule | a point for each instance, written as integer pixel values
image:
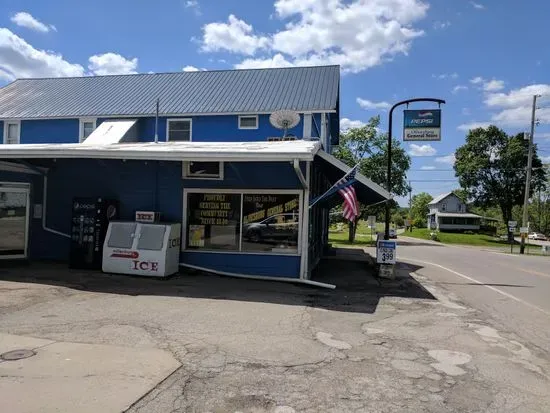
(537, 236)
(276, 227)
(393, 233)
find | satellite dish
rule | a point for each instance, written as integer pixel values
(284, 119)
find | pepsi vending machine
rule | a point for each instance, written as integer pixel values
(90, 219)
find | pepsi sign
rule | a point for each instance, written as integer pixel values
(422, 125)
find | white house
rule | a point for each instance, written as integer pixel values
(448, 213)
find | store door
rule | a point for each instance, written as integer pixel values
(14, 221)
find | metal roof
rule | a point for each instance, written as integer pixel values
(440, 198)
(169, 151)
(203, 92)
(457, 215)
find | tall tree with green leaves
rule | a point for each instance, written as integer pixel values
(420, 209)
(367, 147)
(491, 167)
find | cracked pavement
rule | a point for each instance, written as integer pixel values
(250, 346)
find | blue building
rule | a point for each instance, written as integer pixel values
(180, 144)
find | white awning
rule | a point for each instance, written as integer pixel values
(110, 132)
(169, 151)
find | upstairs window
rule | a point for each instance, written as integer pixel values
(178, 130)
(87, 126)
(443, 207)
(248, 122)
(11, 132)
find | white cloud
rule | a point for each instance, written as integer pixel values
(25, 19)
(477, 6)
(19, 59)
(112, 64)
(190, 69)
(276, 61)
(473, 125)
(545, 159)
(421, 150)
(439, 25)
(458, 88)
(466, 111)
(517, 97)
(356, 35)
(235, 36)
(370, 105)
(194, 5)
(487, 85)
(514, 108)
(427, 168)
(493, 85)
(447, 159)
(346, 123)
(443, 76)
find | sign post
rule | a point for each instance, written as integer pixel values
(511, 228)
(371, 221)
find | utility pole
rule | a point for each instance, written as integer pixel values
(528, 175)
(410, 207)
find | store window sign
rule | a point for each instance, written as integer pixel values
(213, 221)
(422, 125)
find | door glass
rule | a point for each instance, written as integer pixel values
(13, 222)
(151, 237)
(122, 235)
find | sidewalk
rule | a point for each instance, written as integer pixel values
(76, 377)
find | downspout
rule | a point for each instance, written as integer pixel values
(44, 210)
(260, 277)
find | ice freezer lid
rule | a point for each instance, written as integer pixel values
(151, 237)
(122, 235)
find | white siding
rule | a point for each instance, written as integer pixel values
(452, 204)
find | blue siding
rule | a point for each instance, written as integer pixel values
(250, 264)
(1, 131)
(224, 128)
(49, 131)
(213, 128)
(133, 183)
(252, 175)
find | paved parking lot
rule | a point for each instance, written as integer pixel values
(252, 346)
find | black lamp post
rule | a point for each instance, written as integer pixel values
(388, 181)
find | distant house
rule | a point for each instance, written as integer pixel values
(448, 213)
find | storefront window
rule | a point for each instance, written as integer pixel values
(270, 222)
(213, 221)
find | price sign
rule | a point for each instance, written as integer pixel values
(386, 252)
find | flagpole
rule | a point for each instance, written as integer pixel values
(335, 184)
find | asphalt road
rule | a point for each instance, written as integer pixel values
(513, 290)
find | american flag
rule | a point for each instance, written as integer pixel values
(347, 191)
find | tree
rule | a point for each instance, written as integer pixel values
(420, 209)
(491, 167)
(397, 219)
(367, 147)
(539, 210)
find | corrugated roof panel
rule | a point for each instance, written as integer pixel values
(246, 91)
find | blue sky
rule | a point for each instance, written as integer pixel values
(485, 57)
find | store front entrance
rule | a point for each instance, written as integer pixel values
(14, 220)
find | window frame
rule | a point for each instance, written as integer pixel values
(168, 121)
(6, 129)
(81, 123)
(242, 192)
(186, 173)
(444, 207)
(248, 127)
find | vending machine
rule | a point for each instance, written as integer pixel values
(141, 248)
(90, 219)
